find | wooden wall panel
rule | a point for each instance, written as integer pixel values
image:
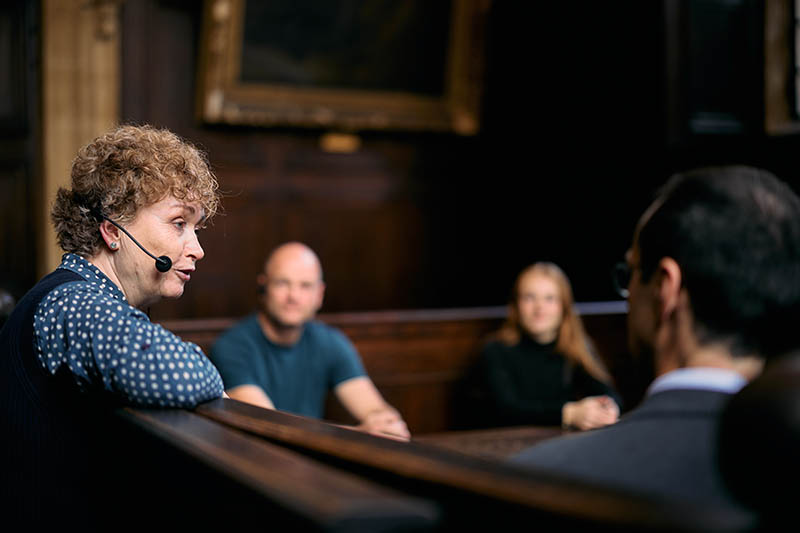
(420, 359)
(577, 134)
(80, 97)
(410, 220)
(17, 236)
(19, 108)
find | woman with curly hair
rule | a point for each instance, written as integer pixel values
(80, 341)
(539, 368)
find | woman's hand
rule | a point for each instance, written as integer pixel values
(591, 412)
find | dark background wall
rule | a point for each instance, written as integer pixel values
(587, 108)
(19, 141)
(568, 151)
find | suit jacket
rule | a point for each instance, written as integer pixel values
(666, 447)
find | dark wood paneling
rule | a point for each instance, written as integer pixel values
(582, 120)
(494, 443)
(19, 112)
(424, 220)
(359, 211)
(420, 360)
(417, 359)
(16, 232)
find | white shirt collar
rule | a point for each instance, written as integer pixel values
(699, 378)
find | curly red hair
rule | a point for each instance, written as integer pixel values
(122, 171)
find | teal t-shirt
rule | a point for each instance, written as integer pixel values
(297, 378)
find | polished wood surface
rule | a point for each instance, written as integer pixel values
(495, 443)
(306, 489)
(406, 459)
(470, 488)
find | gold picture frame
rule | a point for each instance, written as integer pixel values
(225, 97)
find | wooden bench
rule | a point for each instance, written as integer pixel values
(418, 359)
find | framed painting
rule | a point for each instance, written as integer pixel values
(349, 65)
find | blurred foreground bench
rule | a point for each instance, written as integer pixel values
(244, 467)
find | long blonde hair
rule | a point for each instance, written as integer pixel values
(572, 341)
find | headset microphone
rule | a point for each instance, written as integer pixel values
(163, 263)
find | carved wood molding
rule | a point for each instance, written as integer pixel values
(779, 25)
(224, 98)
(80, 95)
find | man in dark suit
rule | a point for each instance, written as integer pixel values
(713, 291)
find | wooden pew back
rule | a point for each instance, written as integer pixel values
(418, 359)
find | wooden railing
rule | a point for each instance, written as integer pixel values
(419, 359)
(291, 471)
(298, 491)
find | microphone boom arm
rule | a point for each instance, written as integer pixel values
(163, 263)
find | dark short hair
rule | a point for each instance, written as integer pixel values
(735, 232)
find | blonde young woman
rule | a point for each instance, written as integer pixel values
(539, 369)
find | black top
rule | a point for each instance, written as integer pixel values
(529, 383)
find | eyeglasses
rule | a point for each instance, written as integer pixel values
(621, 278)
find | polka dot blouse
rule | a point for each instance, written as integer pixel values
(89, 328)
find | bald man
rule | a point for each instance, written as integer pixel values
(281, 358)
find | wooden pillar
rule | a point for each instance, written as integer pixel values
(80, 96)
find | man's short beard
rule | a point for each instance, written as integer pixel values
(276, 322)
